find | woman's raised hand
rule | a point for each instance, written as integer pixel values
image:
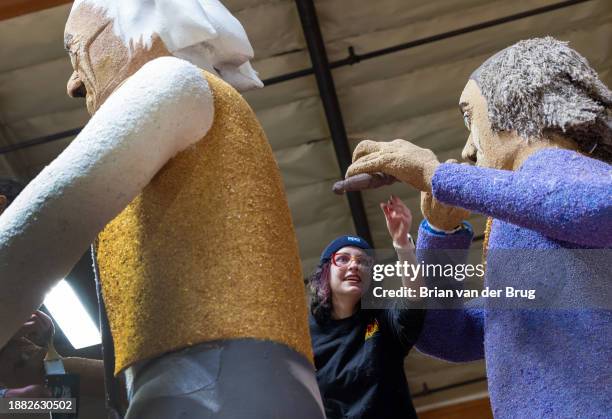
(399, 220)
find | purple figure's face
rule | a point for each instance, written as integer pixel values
(484, 147)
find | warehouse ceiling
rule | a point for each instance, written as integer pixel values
(411, 94)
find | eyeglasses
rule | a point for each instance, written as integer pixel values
(342, 260)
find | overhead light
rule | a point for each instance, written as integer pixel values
(71, 316)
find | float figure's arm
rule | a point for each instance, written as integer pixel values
(163, 108)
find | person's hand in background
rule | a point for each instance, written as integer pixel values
(38, 329)
(21, 360)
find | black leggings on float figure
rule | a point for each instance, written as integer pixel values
(229, 379)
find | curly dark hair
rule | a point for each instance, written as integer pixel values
(10, 188)
(319, 292)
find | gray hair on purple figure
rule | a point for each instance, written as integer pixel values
(542, 86)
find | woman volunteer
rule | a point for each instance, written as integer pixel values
(359, 354)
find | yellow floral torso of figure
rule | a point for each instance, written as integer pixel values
(485, 241)
(207, 251)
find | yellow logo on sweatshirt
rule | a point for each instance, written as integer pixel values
(371, 329)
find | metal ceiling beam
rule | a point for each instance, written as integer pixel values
(13, 8)
(40, 140)
(333, 114)
(352, 58)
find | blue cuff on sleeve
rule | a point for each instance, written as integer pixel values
(465, 226)
(430, 238)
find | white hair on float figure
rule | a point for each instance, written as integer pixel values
(203, 32)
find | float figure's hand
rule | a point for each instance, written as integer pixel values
(440, 216)
(363, 181)
(399, 158)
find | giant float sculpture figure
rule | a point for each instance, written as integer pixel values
(541, 139)
(197, 256)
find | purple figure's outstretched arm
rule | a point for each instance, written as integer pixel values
(558, 193)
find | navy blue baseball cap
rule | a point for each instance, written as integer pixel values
(343, 241)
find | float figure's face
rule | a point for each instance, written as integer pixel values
(484, 147)
(97, 55)
(100, 59)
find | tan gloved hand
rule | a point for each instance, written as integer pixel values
(399, 158)
(440, 216)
